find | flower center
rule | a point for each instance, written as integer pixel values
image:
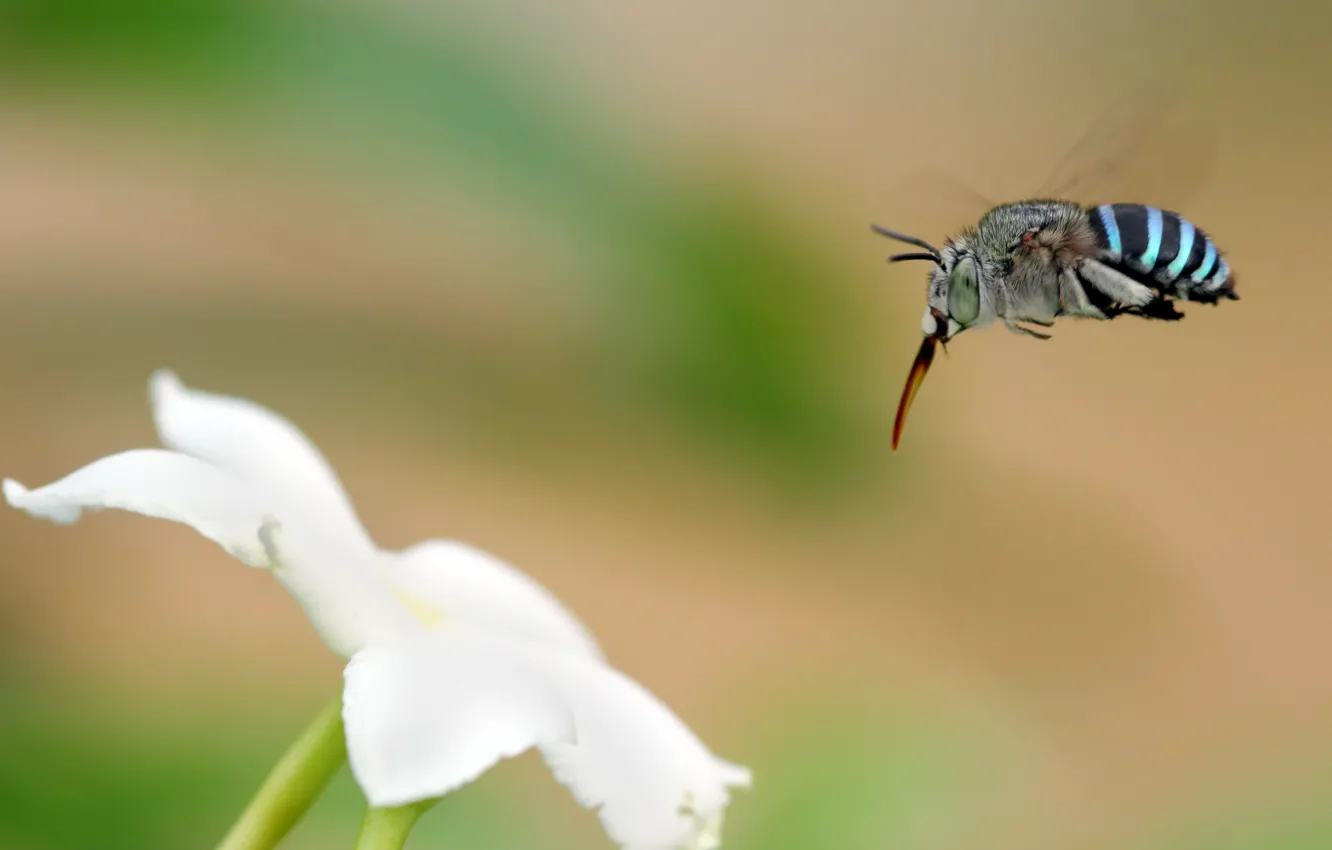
(426, 614)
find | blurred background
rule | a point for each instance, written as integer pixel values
(591, 285)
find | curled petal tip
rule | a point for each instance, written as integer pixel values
(259, 446)
(735, 775)
(14, 492)
(19, 497)
(162, 384)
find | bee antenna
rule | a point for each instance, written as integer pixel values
(932, 255)
(914, 255)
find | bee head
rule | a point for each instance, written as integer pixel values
(953, 300)
(953, 303)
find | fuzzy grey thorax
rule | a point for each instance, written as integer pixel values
(1031, 238)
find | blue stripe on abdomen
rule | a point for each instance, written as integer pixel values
(1154, 226)
(1108, 222)
(1209, 260)
(1186, 232)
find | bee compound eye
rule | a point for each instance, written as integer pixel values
(964, 292)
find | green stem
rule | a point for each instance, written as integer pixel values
(293, 784)
(387, 829)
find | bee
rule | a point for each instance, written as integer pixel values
(1031, 262)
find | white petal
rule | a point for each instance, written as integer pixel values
(424, 717)
(346, 600)
(467, 586)
(656, 785)
(166, 485)
(258, 445)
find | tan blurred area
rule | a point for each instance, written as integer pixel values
(1112, 546)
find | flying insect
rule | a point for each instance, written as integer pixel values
(1030, 262)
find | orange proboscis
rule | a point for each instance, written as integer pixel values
(915, 378)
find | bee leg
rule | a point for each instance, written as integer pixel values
(1074, 300)
(1160, 309)
(1013, 326)
(1118, 287)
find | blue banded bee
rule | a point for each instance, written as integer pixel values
(1033, 261)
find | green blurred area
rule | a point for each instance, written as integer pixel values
(79, 771)
(723, 320)
(721, 316)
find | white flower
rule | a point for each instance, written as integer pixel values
(456, 659)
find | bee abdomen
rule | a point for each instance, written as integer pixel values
(1163, 250)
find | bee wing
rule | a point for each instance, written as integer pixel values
(1144, 149)
(932, 205)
